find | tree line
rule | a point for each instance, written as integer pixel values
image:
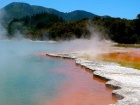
(52, 27)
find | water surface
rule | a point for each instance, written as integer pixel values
(29, 79)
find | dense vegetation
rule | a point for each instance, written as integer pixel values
(120, 30)
(33, 27)
(52, 27)
(69, 30)
(36, 22)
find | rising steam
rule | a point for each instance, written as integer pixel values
(97, 44)
(3, 32)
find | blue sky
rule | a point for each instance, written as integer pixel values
(115, 8)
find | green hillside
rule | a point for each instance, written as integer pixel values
(19, 10)
(36, 22)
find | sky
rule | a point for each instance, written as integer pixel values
(116, 8)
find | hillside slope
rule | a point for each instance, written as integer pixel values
(19, 10)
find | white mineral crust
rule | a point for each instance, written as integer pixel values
(127, 80)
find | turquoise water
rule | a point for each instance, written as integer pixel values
(27, 79)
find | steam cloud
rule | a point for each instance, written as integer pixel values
(3, 31)
(97, 44)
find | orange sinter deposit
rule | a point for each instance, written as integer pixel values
(130, 58)
(81, 87)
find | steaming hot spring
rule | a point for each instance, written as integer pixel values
(37, 79)
(119, 65)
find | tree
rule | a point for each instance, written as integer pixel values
(138, 16)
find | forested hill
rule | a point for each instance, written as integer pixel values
(41, 23)
(19, 10)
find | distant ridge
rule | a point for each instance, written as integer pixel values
(19, 10)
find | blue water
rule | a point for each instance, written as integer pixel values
(27, 79)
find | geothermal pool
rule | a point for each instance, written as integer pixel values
(28, 77)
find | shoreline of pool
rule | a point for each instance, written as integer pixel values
(119, 78)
